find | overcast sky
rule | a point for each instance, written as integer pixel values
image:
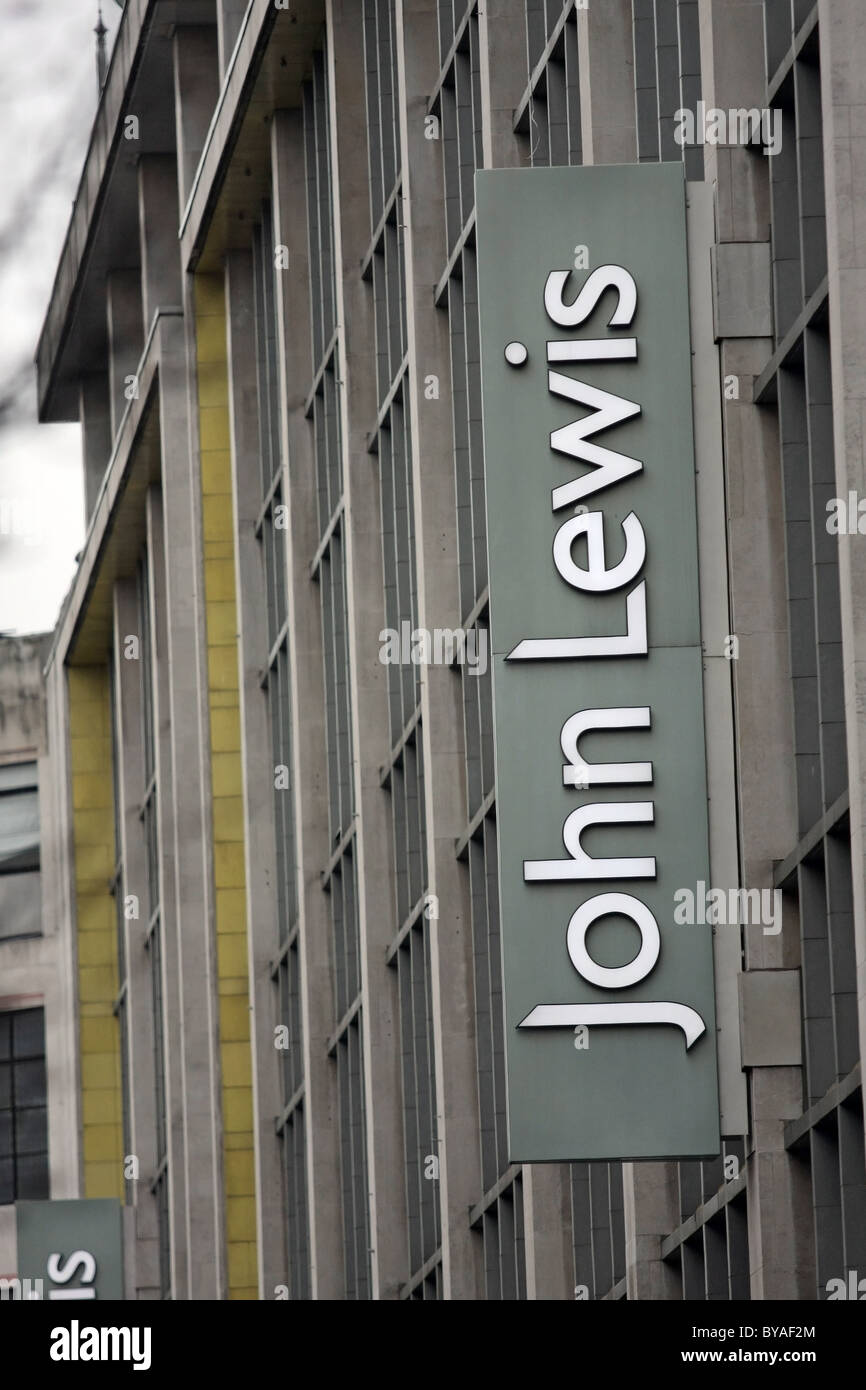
(48, 95)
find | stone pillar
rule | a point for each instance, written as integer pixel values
(258, 769)
(547, 1224)
(651, 1212)
(450, 930)
(94, 412)
(196, 88)
(606, 66)
(308, 708)
(502, 61)
(125, 339)
(193, 935)
(160, 251)
(370, 731)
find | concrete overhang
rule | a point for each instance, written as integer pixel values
(116, 530)
(103, 232)
(271, 60)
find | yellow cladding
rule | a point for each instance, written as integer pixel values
(93, 841)
(240, 1173)
(226, 785)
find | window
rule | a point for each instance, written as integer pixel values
(23, 1112)
(20, 898)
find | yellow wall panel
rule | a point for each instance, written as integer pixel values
(228, 818)
(226, 773)
(234, 1020)
(232, 955)
(93, 841)
(240, 1173)
(231, 910)
(101, 1108)
(242, 1263)
(214, 478)
(101, 1177)
(228, 866)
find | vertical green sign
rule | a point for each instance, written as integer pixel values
(72, 1250)
(601, 801)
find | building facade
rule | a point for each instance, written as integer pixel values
(37, 1069)
(274, 829)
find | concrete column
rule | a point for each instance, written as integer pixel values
(606, 67)
(779, 1203)
(57, 882)
(94, 412)
(130, 781)
(370, 731)
(158, 221)
(204, 1236)
(125, 338)
(651, 1212)
(258, 771)
(842, 25)
(230, 15)
(732, 64)
(548, 1234)
(438, 601)
(308, 708)
(502, 59)
(196, 88)
(171, 996)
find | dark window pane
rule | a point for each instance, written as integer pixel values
(29, 1083)
(7, 1187)
(32, 1177)
(28, 1033)
(5, 1086)
(5, 1133)
(31, 1131)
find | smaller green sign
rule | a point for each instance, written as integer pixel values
(72, 1250)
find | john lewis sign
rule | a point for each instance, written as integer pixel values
(595, 628)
